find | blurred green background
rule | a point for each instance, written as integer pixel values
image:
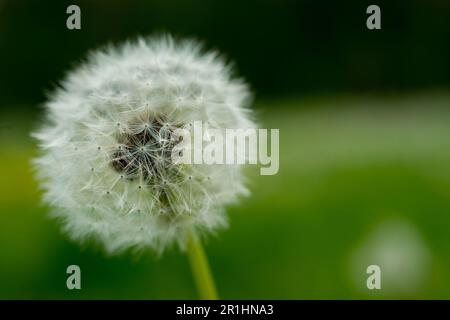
(364, 119)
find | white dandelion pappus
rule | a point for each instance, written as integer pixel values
(105, 150)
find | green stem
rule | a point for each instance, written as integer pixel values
(200, 269)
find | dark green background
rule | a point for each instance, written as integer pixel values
(281, 46)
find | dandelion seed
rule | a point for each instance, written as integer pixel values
(131, 125)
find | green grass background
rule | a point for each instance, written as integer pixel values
(349, 167)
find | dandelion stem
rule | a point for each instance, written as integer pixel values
(200, 269)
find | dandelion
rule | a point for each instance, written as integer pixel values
(105, 161)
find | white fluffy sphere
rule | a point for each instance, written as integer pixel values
(105, 158)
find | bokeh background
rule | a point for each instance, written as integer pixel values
(364, 119)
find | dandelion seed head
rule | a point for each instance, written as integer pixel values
(105, 161)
